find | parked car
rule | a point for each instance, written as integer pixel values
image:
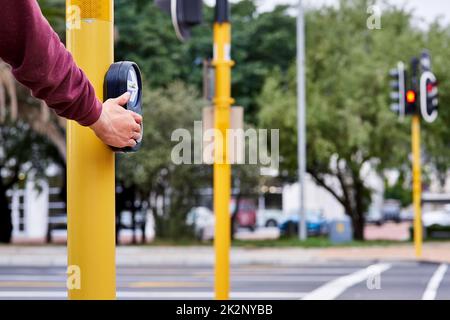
(269, 218)
(246, 215)
(316, 224)
(436, 224)
(202, 221)
(440, 218)
(407, 215)
(374, 216)
(447, 208)
(391, 210)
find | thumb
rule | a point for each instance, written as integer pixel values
(123, 99)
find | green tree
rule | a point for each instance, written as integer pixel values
(17, 161)
(260, 42)
(152, 170)
(349, 125)
(436, 135)
(400, 190)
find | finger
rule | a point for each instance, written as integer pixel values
(131, 143)
(136, 136)
(123, 99)
(137, 117)
(136, 128)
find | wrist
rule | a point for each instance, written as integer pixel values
(98, 124)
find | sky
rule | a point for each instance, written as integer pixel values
(429, 10)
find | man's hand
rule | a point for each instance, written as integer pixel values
(118, 127)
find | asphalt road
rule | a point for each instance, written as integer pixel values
(331, 280)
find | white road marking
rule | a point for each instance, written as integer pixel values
(154, 295)
(435, 281)
(335, 288)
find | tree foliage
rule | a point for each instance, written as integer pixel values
(172, 189)
(260, 42)
(22, 152)
(349, 125)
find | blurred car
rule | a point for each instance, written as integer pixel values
(374, 216)
(391, 210)
(201, 219)
(439, 218)
(447, 208)
(269, 218)
(436, 224)
(407, 215)
(316, 224)
(246, 215)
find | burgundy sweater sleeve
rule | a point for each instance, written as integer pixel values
(41, 62)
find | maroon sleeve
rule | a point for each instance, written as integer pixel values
(41, 62)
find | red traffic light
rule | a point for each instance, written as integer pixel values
(411, 96)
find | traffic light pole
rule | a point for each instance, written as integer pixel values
(222, 169)
(417, 185)
(90, 163)
(301, 117)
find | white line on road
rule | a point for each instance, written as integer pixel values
(335, 288)
(435, 281)
(154, 295)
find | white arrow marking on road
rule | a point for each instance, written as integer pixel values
(335, 288)
(435, 281)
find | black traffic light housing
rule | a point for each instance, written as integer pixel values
(185, 15)
(421, 96)
(429, 96)
(398, 86)
(122, 77)
(428, 85)
(222, 11)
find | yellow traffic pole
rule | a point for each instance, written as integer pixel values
(417, 185)
(222, 169)
(90, 163)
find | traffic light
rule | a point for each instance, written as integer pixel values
(399, 89)
(411, 96)
(185, 15)
(411, 102)
(429, 96)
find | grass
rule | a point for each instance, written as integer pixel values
(316, 242)
(310, 243)
(184, 242)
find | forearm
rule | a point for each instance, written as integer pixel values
(41, 62)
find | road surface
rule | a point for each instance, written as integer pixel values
(321, 280)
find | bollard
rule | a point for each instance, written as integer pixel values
(90, 163)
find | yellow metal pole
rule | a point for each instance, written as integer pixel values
(222, 168)
(417, 185)
(90, 163)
